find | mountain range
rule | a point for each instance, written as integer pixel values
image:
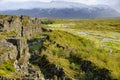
(59, 9)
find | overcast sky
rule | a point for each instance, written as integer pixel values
(81, 1)
(112, 3)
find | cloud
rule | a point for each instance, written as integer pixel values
(91, 2)
(25, 0)
(115, 4)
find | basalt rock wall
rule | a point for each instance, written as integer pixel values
(21, 26)
(17, 30)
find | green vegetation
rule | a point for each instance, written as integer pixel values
(79, 47)
(25, 22)
(85, 49)
(7, 34)
(36, 47)
(47, 22)
(91, 24)
(60, 45)
(7, 69)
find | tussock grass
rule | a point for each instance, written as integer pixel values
(93, 47)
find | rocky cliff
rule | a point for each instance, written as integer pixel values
(22, 26)
(14, 33)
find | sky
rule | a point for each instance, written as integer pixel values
(112, 3)
(90, 2)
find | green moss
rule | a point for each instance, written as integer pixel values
(7, 69)
(25, 22)
(2, 51)
(7, 34)
(11, 33)
(1, 16)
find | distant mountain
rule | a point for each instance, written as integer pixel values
(61, 9)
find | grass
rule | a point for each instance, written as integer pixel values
(62, 42)
(7, 69)
(91, 24)
(79, 46)
(97, 29)
(88, 47)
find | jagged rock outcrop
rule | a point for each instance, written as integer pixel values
(7, 51)
(21, 26)
(22, 59)
(18, 29)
